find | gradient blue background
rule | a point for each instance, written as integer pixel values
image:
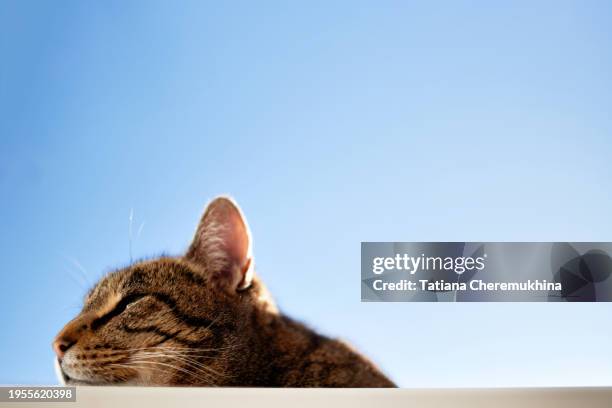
(331, 123)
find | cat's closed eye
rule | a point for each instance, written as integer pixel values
(127, 302)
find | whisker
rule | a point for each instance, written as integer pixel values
(188, 360)
(84, 273)
(157, 360)
(193, 350)
(172, 354)
(130, 219)
(176, 367)
(148, 367)
(77, 281)
(140, 229)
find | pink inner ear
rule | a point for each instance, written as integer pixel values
(222, 243)
(236, 239)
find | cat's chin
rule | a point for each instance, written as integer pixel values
(59, 373)
(64, 379)
(71, 382)
(67, 381)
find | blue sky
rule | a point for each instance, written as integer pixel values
(331, 123)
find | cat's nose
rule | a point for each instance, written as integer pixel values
(61, 345)
(71, 333)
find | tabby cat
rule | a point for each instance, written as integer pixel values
(202, 319)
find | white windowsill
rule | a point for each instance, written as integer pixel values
(117, 397)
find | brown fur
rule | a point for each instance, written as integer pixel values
(180, 321)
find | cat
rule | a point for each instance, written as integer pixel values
(202, 319)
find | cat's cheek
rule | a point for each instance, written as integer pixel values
(147, 377)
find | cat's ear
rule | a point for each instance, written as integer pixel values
(222, 244)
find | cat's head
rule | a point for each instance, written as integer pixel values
(170, 321)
